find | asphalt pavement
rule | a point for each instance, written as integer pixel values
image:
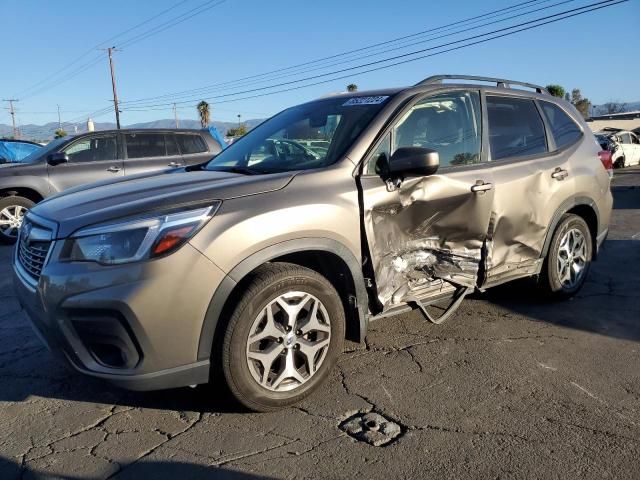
(510, 387)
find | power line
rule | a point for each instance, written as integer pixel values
(173, 22)
(602, 4)
(92, 49)
(491, 14)
(43, 86)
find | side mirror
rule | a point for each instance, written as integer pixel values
(58, 158)
(414, 161)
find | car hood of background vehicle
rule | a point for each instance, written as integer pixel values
(139, 194)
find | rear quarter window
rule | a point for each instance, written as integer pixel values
(515, 128)
(191, 144)
(564, 129)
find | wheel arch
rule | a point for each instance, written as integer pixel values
(585, 208)
(326, 256)
(26, 192)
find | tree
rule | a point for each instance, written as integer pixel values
(59, 133)
(556, 90)
(581, 103)
(352, 87)
(614, 107)
(205, 114)
(238, 131)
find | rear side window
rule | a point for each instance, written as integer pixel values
(564, 129)
(141, 145)
(191, 144)
(515, 128)
(172, 146)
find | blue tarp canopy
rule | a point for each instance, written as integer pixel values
(14, 150)
(217, 137)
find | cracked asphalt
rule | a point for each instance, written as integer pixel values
(511, 387)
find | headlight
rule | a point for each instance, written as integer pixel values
(137, 239)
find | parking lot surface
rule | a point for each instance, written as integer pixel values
(510, 387)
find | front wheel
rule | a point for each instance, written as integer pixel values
(570, 252)
(12, 211)
(283, 337)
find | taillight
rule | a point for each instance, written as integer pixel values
(607, 161)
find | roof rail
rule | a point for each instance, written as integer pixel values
(500, 82)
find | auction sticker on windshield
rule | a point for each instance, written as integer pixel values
(365, 100)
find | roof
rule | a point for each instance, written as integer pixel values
(144, 130)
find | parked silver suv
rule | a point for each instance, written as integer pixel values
(259, 263)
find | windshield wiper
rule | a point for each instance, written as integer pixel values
(240, 170)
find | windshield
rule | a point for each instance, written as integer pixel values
(312, 135)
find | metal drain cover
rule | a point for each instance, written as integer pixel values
(371, 428)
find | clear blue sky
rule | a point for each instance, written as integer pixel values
(598, 52)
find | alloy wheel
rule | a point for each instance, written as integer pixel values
(11, 219)
(572, 258)
(288, 341)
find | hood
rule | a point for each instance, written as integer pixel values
(139, 194)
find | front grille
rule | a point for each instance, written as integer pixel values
(32, 253)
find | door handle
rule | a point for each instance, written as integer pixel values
(480, 186)
(174, 164)
(559, 174)
(114, 169)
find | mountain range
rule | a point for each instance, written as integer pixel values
(46, 132)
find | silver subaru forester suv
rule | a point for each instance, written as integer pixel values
(255, 266)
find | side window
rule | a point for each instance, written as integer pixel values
(191, 144)
(141, 145)
(564, 129)
(172, 146)
(635, 140)
(624, 138)
(93, 149)
(448, 123)
(515, 128)
(378, 162)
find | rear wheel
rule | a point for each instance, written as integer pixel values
(567, 264)
(12, 211)
(283, 337)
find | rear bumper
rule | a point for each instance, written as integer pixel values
(137, 326)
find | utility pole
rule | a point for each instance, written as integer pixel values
(175, 115)
(239, 117)
(12, 111)
(59, 122)
(110, 51)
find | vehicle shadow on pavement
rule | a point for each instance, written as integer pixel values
(606, 305)
(153, 470)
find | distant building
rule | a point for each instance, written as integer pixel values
(623, 121)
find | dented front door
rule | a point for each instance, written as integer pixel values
(427, 229)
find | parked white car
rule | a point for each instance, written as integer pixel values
(623, 145)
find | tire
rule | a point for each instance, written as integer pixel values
(245, 363)
(571, 247)
(8, 208)
(620, 163)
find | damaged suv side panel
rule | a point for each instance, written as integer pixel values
(429, 228)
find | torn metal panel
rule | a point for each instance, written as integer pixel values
(429, 228)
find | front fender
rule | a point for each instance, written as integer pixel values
(225, 288)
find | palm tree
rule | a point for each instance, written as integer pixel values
(205, 114)
(352, 87)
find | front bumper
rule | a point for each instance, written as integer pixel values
(135, 325)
